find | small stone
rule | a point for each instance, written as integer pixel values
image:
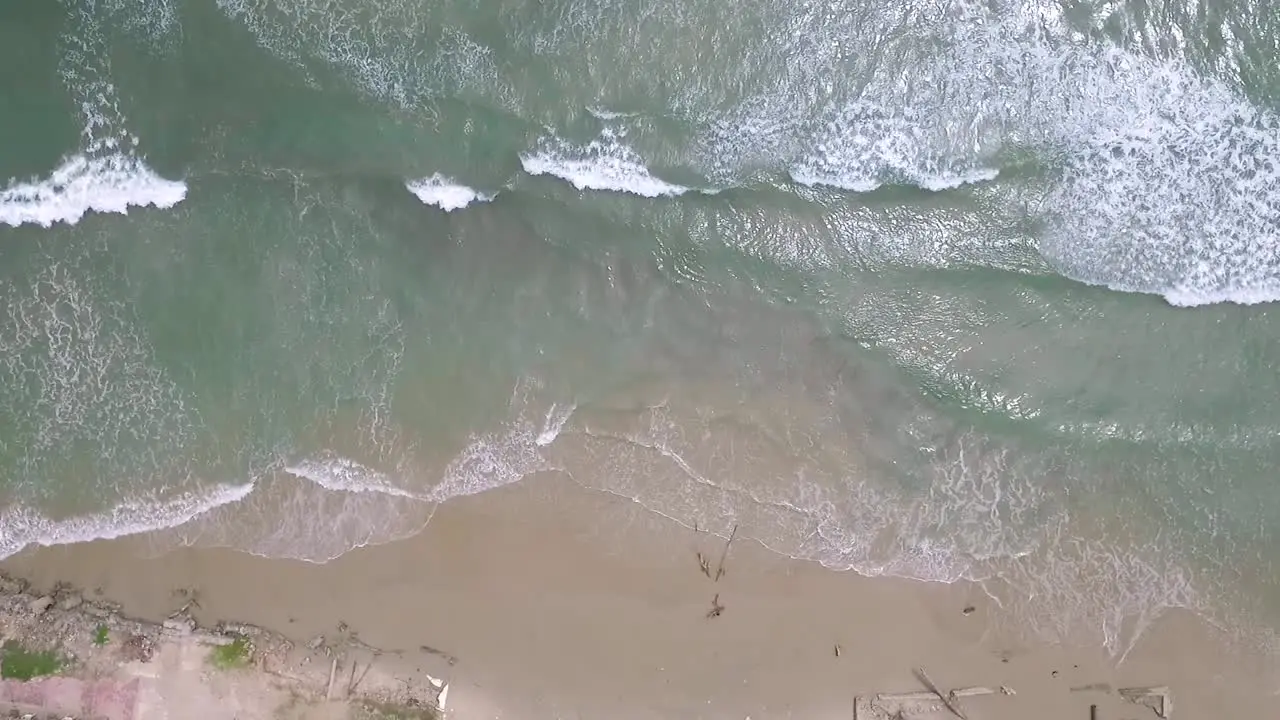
(41, 605)
(71, 602)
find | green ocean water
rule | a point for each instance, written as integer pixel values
(936, 289)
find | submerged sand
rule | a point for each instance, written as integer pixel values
(545, 600)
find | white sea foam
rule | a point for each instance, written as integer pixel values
(602, 164)
(340, 474)
(23, 526)
(604, 114)
(81, 184)
(557, 416)
(1170, 186)
(865, 147)
(493, 459)
(330, 507)
(379, 50)
(445, 193)
(1157, 177)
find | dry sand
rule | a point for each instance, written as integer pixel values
(558, 602)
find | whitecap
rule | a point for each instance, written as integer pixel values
(602, 164)
(445, 193)
(81, 184)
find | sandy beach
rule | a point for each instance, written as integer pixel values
(544, 600)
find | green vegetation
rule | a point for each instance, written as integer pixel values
(369, 710)
(233, 655)
(19, 663)
(101, 636)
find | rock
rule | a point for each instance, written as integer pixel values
(41, 605)
(12, 586)
(71, 602)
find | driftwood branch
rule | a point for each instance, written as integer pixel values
(725, 553)
(716, 607)
(944, 697)
(704, 565)
(333, 671)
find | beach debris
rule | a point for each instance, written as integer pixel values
(138, 648)
(911, 704)
(948, 699)
(40, 605)
(315, 643)
(1155, 697)
(716, 607)
(190, 595)
(242, 629)
(1093, 712)
(333, 672)
(1093, 687)
(208, 638)
(837, 649)
(354, 681)
(1006, 690)
(968, 610)
(725, 553)
(703, 564)
(440, 653)
(179, 625)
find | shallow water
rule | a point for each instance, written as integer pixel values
(944, 290)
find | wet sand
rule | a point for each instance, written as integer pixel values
(553, 601)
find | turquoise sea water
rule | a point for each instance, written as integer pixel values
(938, 289)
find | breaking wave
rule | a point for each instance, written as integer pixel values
(444, 193)
(83, 184)
(106, 175)
(602, 164)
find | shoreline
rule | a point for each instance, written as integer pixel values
(545, 600)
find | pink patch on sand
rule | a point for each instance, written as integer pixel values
(112, 700)
(63, 695)
(27, 693)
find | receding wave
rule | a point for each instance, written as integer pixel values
(25, 526)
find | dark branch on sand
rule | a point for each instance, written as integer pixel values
(946, 698)
(725, 553)
(716, 607)
(704, 565)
